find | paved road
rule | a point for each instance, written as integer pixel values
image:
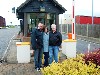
(83, 44)
(5, 36)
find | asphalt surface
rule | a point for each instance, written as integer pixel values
(84, 45)
(5, 36)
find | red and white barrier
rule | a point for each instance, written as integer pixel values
(73, 20)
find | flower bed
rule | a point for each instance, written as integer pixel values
(93, 56)
(72, 66)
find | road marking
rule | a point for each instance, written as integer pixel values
(2, 59)
(86, 41)
(82, 40)
(93, 43)
(78, 39)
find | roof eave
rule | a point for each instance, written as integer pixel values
(27, 1)
(59, 5)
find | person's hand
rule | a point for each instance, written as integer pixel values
(32, 54)
(60, 46)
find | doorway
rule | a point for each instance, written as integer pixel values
(47, 18)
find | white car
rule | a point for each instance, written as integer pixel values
(0, 27)
(7, 27)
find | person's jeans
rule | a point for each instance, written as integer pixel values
(53, 52)
(38, 57)
(46, 56)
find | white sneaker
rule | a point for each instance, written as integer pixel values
(37, 69)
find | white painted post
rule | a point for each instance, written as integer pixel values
(88, 48)
(73, 20)
(23, 52)
(69, 45)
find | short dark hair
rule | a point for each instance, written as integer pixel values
(44, 28)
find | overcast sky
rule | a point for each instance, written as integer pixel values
(82, 7)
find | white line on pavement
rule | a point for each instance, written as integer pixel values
(7, 49)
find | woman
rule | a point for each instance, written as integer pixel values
(45, 46)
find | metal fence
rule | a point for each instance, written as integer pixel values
(82, 29)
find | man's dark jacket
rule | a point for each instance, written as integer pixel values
(55, 39)
(37, 39)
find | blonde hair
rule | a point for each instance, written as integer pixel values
(53, 26)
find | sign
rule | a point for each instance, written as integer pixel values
(13, 10)
(42, 8)
(48, 16)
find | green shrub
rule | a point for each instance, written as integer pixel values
(72, 66)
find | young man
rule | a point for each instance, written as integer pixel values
(55, 40)
(37, 45)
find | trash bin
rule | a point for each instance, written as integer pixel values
(69, 48)
(69, 35)
(23, 52)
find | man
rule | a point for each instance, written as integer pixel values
(37, 45)
(55, 40)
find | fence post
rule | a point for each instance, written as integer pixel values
(67, 28)
(87, 30)
(61, 25)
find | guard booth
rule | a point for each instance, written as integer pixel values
(32, 11)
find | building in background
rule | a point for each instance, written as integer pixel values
(80, 19)
(66, 19)
(2, 22)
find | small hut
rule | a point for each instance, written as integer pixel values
(32, 11)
